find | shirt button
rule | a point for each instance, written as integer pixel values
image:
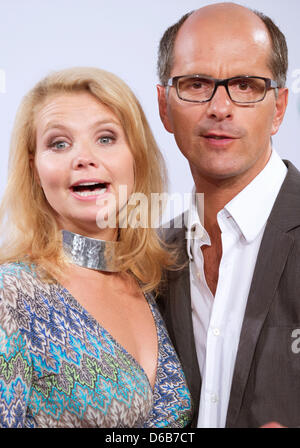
(198, 275)
(214, 398)
(216, 331)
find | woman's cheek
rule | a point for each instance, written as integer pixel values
(50, 171)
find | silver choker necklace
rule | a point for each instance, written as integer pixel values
(89, 252)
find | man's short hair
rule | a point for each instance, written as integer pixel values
(278, 63)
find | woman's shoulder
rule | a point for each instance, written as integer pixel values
(20, 278)
(20, 288)
(16, 272)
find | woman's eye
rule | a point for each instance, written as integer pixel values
(106, 140)
(59, 144)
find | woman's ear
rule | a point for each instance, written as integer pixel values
(34, 170)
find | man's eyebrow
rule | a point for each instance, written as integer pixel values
(205, 75)
(193, 74)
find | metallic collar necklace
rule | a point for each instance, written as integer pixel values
(89, 252)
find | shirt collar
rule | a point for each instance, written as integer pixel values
(195, 229)
(251, 208)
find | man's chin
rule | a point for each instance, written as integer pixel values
(217, 172)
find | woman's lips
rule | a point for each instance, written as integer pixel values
(88, 196)
(89, 190)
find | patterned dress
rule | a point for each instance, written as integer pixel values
(60, 368)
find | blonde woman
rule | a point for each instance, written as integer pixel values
(82, 342)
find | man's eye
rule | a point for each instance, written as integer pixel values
(243, 86)
(196, 85)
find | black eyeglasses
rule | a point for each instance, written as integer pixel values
(240, 89)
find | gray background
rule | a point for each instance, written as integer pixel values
(38, 36)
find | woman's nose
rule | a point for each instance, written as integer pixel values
(85, 157)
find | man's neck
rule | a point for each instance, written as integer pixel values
(218, 192)
(216, 196)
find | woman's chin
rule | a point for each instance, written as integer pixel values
(90, 228)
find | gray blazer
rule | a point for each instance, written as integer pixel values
(266, 379)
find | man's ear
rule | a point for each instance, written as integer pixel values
(163, 108)
(281, 104)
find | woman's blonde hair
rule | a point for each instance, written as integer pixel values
(28, 222)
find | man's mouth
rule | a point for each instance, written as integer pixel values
(86, 189)
(219, 140)
(219, 137)
(215, 137)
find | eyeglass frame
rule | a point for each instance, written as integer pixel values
(269, 84)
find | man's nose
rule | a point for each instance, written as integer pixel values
(220, 107)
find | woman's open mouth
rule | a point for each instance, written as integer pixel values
(89, 189)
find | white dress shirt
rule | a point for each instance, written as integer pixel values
(217, 321)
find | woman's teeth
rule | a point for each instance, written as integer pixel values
(90, 189)
(86, 193)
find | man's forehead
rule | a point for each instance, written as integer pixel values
(223, 33)
(228, 13)
(226, 20)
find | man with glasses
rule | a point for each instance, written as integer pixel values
(233, 308)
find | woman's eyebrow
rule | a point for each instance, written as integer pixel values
(105, 121)
(54, 125)
(57, 125)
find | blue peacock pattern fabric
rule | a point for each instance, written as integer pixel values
(60, 368)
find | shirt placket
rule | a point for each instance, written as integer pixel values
(212, 414)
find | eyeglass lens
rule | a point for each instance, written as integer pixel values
(243, 90)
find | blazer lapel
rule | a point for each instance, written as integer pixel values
(270, 264)
(180, 317)
(272, 257)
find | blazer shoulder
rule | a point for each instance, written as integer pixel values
(174, 231)
(286, 210)
(293, 174)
